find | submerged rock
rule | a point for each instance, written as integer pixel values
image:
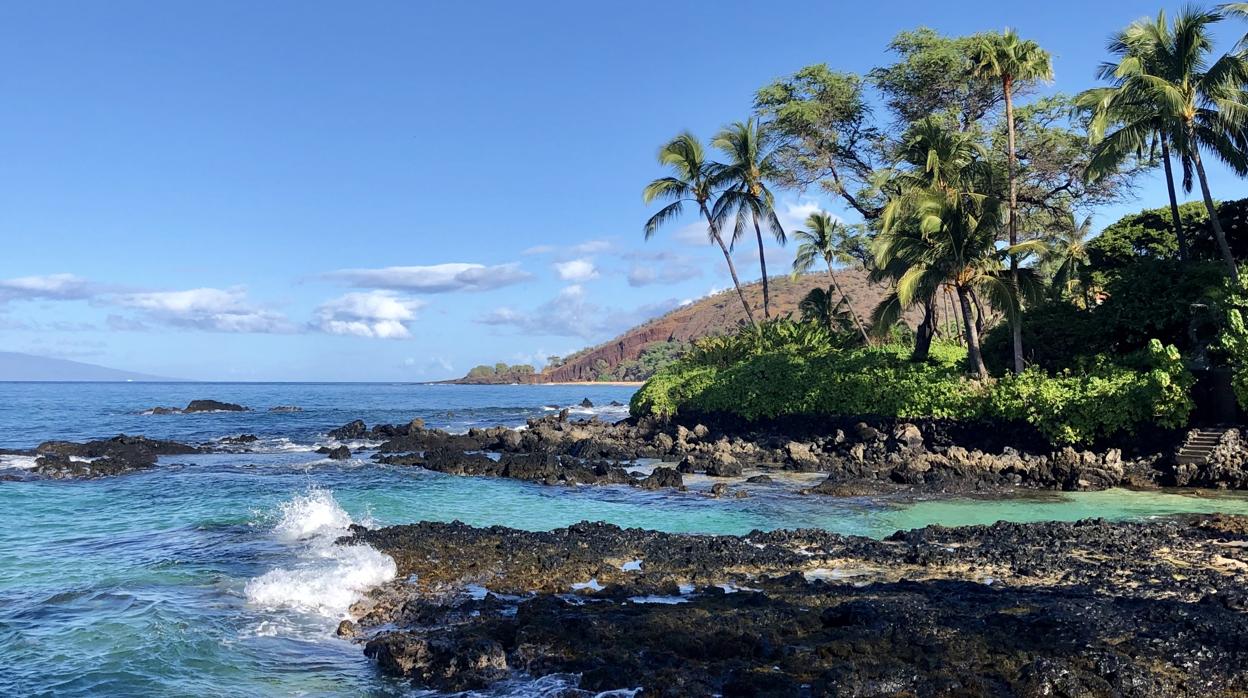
(286, 409)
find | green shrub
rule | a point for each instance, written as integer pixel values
(1106, 400)
(1069, 407)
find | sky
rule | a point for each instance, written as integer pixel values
(399, 191)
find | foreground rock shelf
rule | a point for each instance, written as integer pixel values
(1074, 609)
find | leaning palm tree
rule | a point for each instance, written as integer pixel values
(752, 161)
(1015, 63)
(694, 180)
(821, 240)
(1167, 84)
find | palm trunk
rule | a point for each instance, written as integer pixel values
(1174, 201)
(1213, 215)
(980, 315)
(762, 262)
(857, 321)
(732, 268)
(974, 357)
(1016, 321)
(925, 331)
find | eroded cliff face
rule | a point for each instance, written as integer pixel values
(717, 314)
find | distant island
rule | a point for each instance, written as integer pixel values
(16, 366)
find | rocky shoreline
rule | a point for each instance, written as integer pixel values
(1075, 609)
(855, 457)
(860, 458)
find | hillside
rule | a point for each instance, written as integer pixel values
(15, 366)
(715, 314)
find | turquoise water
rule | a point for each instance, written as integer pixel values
(216, 574)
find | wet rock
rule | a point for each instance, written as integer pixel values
(352, 430)
(723, 464)
(338, 453)
(662, 477)
(760, 480)
(586, 403)
(347, 629)
(115, 456)
(286, 409)
(240, 440)
(212, 406)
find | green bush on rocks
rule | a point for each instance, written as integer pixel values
(1068, 407)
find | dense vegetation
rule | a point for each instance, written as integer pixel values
(794, 372)
(973, 199)
(500, 373)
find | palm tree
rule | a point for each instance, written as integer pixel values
(1067, 256)
(1014, 62)
(694, 179)
(941, 227)
(933, 157)
(752, 161)
(1113, 105)
(1166, 84)
(821, 240)
(819, 305)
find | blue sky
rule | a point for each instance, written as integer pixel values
(396, 191)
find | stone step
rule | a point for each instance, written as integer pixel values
(1199, 445)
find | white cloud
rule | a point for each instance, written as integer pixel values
(435, 278)
(220, 310)
(662, 269)
(571, 314)
(46, 287)
(576, 270)
(379, 314)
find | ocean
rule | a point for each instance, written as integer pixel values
(218, 574)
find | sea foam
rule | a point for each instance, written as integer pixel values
(324, 578)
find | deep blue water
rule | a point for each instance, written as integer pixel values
(216, 574)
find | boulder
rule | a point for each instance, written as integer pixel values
(212, 406)
(908, 437)
(339, 453)
(351, 430)
(662, 477)
(723, 465)
(586, 403)
(800, 456)
(867, 433)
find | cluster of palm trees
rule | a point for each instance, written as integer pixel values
(734, 192)
(950, 222)
(735, 197)
(1167, 94)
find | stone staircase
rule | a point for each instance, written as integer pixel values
(1199, 445)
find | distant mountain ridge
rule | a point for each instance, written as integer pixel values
(720, 313)
(16, 366)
